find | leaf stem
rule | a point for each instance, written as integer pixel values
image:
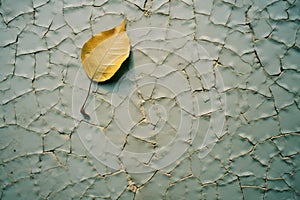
(82, 110)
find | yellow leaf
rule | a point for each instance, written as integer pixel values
(104, 53)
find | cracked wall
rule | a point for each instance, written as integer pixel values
(208, 107)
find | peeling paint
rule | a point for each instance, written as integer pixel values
(208, 107)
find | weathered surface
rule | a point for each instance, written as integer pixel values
(209, 108)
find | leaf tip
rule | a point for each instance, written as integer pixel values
(123, 24)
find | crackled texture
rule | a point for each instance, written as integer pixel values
(207, 108)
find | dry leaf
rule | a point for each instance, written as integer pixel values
(104, 53)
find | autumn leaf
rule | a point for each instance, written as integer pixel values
(103, 55)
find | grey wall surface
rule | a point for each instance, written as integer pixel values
(206, 106)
